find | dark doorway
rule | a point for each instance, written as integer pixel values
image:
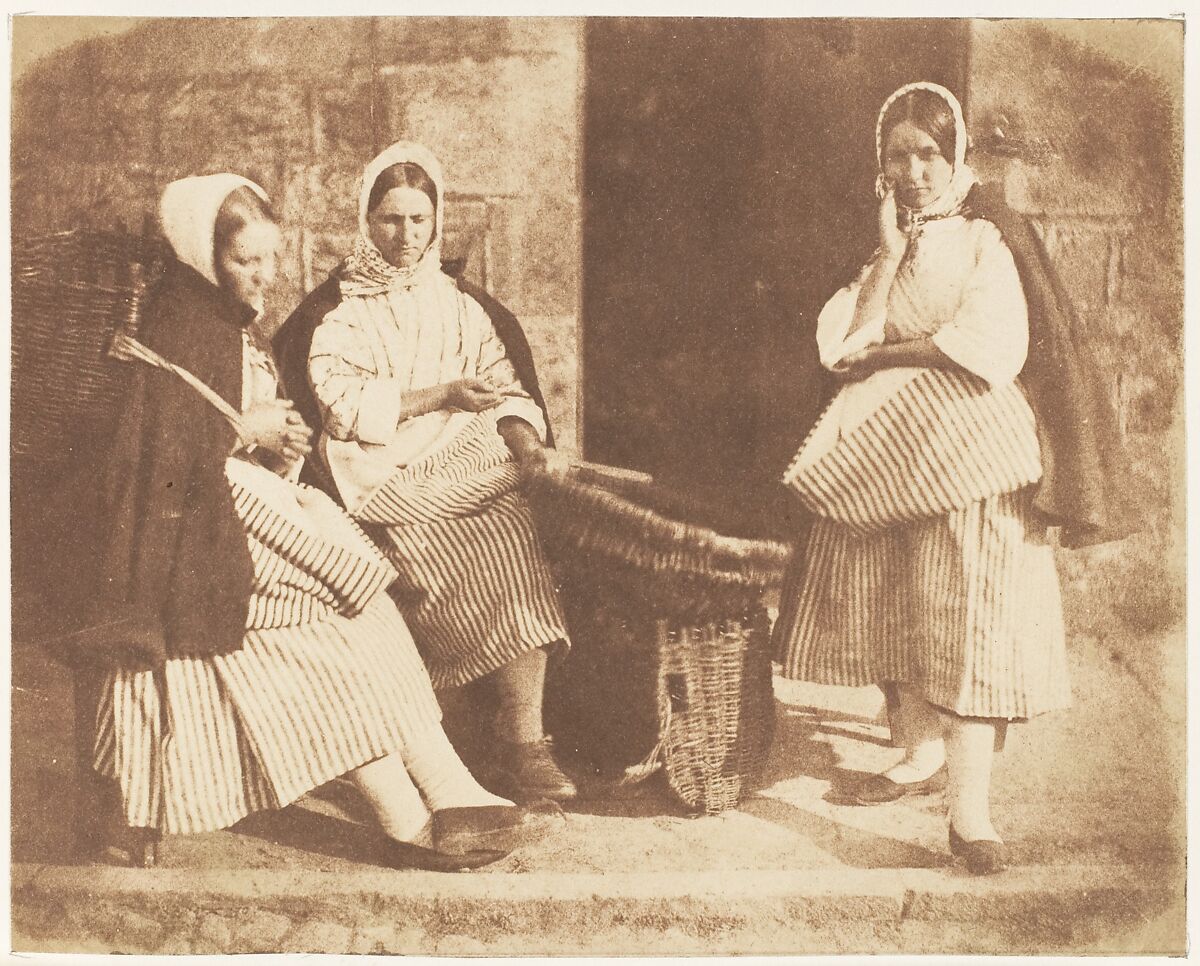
(728, 186)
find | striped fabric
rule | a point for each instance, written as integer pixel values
(965, 607)
(328, 678)
(474, 583)
(943, 441)
(310, 561)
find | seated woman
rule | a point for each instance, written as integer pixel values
(427, 426)
(253, 651)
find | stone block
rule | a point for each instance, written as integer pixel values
(84, 122)
(260, 931)
(214, 934)
(321, 936)
(553, 340)
(70, 194)
(1111, 132)
(545, 255)
(1080, 254)
(390, 939)
(324, 198)
(177, 943)
(1150, 272)
(327, 250)
(346, 121)
(199, 47)
(125, 930)
(504, 126)
(237, 126)
(408, 40)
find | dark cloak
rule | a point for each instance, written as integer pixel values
(1086, 487)
(159, 566)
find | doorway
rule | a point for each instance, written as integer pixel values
(728, 191)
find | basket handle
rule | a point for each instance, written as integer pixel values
(127, 348)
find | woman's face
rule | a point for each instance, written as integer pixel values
(246, 266)
(913, 164)
(402, 225)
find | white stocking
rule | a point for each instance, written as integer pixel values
(970, 747)
(441, 776)
(390, 792)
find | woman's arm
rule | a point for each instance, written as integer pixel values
(988, 336)
(357, 403)
(923, 353)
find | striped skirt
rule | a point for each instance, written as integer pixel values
(474, 584)
(966, 607)
(328, 678)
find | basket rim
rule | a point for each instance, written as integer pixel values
(769, 555)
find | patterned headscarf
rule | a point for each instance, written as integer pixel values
(952, 200)
(188, 214)
(365, 271)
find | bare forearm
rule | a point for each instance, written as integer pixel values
(418, 402)
(873, 297)
(520, 437)
(914, 352)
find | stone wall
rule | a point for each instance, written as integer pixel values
(300, 105)
(1082, 122)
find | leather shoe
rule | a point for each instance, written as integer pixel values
(407, 855)
(983, 856)
(533, 775)
(507, 827)
(879, 789)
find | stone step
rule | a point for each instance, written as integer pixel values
(1101, 908)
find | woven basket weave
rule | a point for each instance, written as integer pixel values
(72, 291)
(671, 660)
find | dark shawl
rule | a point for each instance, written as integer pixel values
(166, 572)
(293, 341)
(1086, 486)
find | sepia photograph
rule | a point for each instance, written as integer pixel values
(595, 485)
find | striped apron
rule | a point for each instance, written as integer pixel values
(474, 585)
(925, 563)
(328, 677)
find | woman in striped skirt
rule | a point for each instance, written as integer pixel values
(303, 669)
(428, 430)
(928, 570)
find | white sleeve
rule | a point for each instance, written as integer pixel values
(989, 333)
(833, 323)
(356, 402)
(495, 366)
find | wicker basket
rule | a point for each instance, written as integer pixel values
(72, 291)
(671, 660)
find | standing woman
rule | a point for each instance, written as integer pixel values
(252, 650)
(427, 430)
(968, 421)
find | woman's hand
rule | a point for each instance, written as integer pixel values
(276, 426)
(920, 353)
(892, 241)
(543, 461)
(858, 365)
(471, 395)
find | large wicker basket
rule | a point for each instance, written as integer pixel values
(670, 661)
(72, 292)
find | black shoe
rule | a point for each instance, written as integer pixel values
(532, 775)
(507, 827)
(879, 789)
(983, 856)
(405, 855)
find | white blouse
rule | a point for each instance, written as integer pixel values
(370, 349)
(959, 286)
